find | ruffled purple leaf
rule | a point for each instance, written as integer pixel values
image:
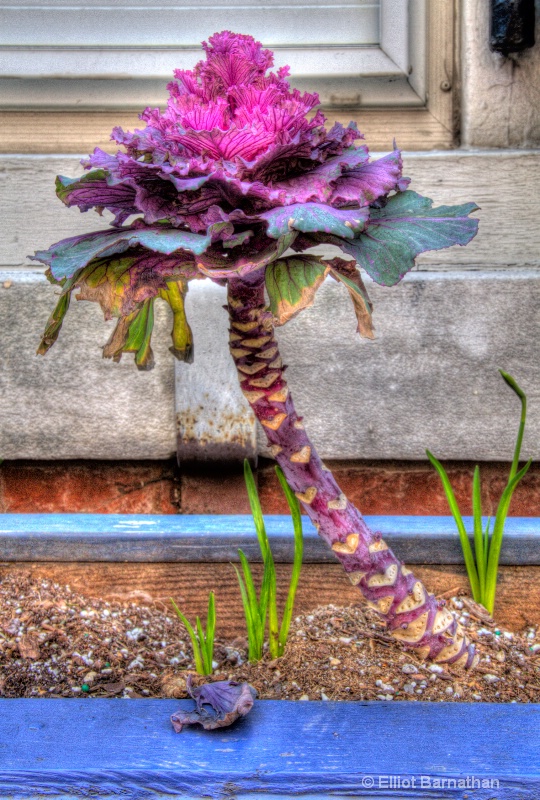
(312, 217)
(366, 183)
(157, 190)
(257, 252)
(407, 226)
(69, 255)
(93, 191)
(99, 159)
(319, 184)
(247, 142)
(276, 163)
(218, 705)
(340, 138)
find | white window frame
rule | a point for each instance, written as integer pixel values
(55, 77)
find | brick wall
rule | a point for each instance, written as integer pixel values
(160, 487)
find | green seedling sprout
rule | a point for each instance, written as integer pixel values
(203, 644)
(258, 609)
(483, 563)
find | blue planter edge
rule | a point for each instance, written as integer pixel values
(127, 748)
(111, 748)
(207, 538)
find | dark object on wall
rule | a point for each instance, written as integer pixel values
(512, 26)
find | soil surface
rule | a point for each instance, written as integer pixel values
(56, 643)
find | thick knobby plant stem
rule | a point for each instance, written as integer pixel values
(412, 615)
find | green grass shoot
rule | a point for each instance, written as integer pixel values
(203, 644)
(262, 607)
(482, 557)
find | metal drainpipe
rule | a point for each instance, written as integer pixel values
(216, 427)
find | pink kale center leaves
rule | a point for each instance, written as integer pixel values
(236, 169)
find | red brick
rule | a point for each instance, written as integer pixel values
(221, 491)
(379, 487)
(89, 486)
(394, 487)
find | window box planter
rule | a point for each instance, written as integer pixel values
(105, 554)
(107, 748)
(111, 749)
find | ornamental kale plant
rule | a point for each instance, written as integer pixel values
(235, 173)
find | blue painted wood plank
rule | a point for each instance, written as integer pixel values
(111, 748)
(170, 538)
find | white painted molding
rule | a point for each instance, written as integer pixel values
(394, 22)
(184, 23)
(159, 62)
(335, 90)
(417, 66)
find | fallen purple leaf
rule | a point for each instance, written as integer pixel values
(218, 704)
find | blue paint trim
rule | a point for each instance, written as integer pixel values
(118, 748)
(204, 538)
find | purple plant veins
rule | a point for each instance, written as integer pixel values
(236, 171)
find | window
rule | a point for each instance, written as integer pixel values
(88, 54)
(72, 69)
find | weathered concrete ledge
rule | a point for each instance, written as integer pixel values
(73, 403)
(428, 380)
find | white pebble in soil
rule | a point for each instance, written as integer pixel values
(409, 669)
(135, 634)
